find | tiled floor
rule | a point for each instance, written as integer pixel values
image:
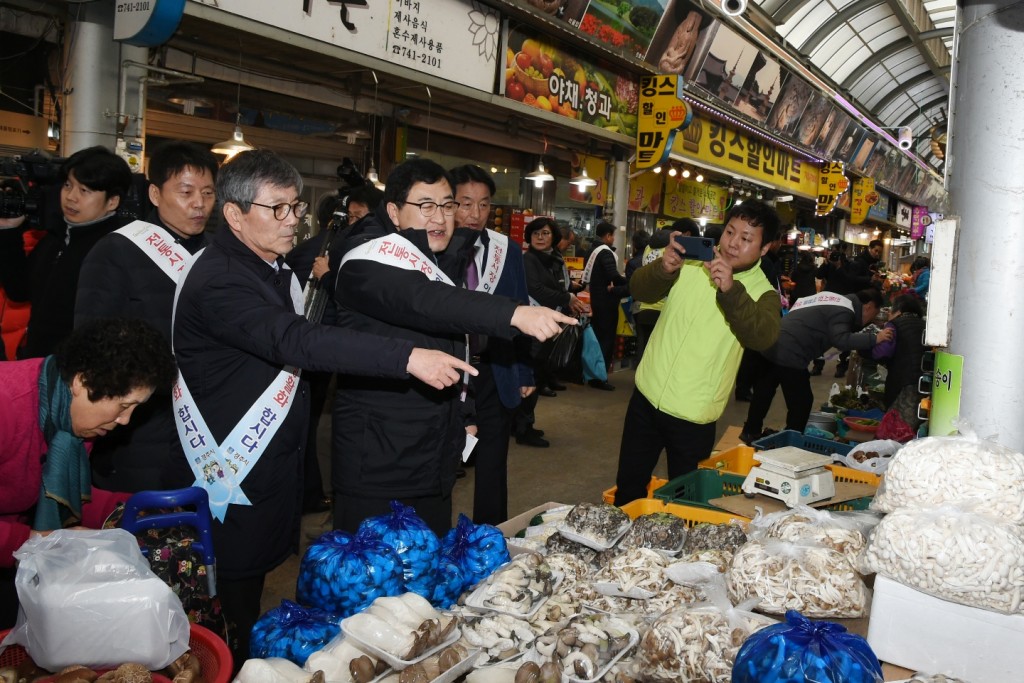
(584, 426)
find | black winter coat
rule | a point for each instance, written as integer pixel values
(401, 438)
(234, 330)
(48, 277)
(605, 272)
(904, 367)
(119, 280)
(546, 279)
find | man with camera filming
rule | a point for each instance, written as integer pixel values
(93, 183)
(714, 309)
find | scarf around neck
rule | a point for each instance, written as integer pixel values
(66, 478)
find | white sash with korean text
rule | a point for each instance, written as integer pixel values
(159, 246)
(398, 252)
(588, 270)
(822, 299)
(496, 254)
(221, 468)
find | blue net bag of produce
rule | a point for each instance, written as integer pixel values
(802, 650)
(417, 546)
(478, 549)
(448, 583)
(293, 632)
(342, 574)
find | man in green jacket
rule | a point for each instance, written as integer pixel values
(686, 377)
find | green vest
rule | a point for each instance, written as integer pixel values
(689, 366)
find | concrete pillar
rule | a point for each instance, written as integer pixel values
(620, 205)
(91, 80)
(987, 191)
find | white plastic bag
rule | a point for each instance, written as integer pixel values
(885, 448)
(844, 532)
(89, 597)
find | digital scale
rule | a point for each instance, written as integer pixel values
(792, 475)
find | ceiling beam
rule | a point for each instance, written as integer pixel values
(940, 68)
(901, 90)
(834, 22)
(875, 59)
(926, 107)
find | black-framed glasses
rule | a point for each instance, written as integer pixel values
(428, 209)
(282, 210)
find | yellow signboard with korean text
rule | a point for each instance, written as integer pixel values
(597, 170)
(645, 193)
(734, 151)
(861, 199)
(832, 183)
(662, 113)
(689, 199)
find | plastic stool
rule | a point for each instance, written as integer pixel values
(198, 520)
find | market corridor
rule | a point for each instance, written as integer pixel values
(584, 427)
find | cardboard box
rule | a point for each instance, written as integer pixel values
(911, 629)
(516, 524)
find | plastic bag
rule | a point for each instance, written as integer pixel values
(341, 573)
(593, 358)
(801, 650)
(89, 597)
(449, 582)
(870, 456)
(477, 549)
(844, 532)
(558, 352)
(417, 546)
(894, 427)
(292, 632)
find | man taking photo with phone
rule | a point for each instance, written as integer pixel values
(714, 309)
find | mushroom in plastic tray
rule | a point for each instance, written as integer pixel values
(598, 525)
(401, 630)
(517, 588)
(583, 650)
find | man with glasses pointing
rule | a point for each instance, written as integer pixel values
(239, 406)
(402, 277)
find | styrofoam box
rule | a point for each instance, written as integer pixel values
(911, 629)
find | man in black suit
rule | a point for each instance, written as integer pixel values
(607, 288)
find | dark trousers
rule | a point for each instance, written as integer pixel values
(240, 603)
(494, 423)
(796, 389)
(313, 483)
(605, 320)
(350, 511)
(748, 371)
(523, 417)
(645, 322)
(646, 432)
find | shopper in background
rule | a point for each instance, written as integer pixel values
(637, 245)
(401, 277)
(802, 276)
(505, 376)
(238, 333)
(902, 353)
(94, 182)
(814, 324)
(54, 408)
(607, 289)
(129, 273)
(683, 383)
(921, 269)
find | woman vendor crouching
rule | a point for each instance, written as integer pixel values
(52, 409)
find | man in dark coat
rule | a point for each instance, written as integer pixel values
(238, 334)
(506, 377)
(132, 273)
(607, 288)
(401, 277)
(814, 324)
(94, 182)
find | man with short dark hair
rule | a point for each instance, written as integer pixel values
(814, 324)
(132, 272)
(240, 409)
(607, 288)
(684, 381)
(401, 277)
(94, 182)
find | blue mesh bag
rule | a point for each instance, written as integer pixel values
(293, 632)
(801, 650)
(478, 549)
(417, 546)
(342, 574)
(448, 583)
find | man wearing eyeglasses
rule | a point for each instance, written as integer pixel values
(402, 276)
(240, 410)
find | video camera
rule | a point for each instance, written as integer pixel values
(24, 181)
(334, 207)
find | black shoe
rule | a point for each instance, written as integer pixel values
(544, 391)
(319, 505)
(555, 386)
(841, 369)
(598, 384)
(744, 395)
(748, 439)
(535, 432)
(531, 439)
(816, 370)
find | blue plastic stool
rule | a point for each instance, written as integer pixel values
(198, 520)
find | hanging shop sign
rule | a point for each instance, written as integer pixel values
(597, 170)
(148, 23)
(879, 211)
(734, 151)
(919, 222)
(452, 39)
(560, 80)
(689, 199)
(663, 113)
(862, 197)
(645, 193)
(832, 183)
(904, 214)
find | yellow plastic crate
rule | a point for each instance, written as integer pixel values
(691, 515)
(655, 483)
(739, 460)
